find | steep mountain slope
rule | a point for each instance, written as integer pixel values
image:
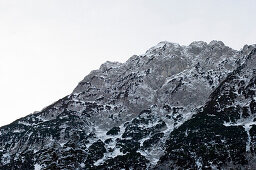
(121, 115)
(223, 134)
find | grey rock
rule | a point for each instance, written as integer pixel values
(146, 98)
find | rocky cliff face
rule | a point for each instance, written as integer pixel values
(173, 107)
(223, 134)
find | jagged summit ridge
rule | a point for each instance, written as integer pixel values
(161, 63)
(121, 115)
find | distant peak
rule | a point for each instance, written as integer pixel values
(109, 64)
(198, 44)
(163, 44)
(248, 48)
(216, 43)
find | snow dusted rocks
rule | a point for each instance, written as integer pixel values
(173, 107)
(223, 134)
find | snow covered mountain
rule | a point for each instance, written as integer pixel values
(173, 107)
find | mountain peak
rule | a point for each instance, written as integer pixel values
(198, 44)
(141, 113)
(162, 46)
(109, 65)
(216, 43)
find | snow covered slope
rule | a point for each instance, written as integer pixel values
(124, 115)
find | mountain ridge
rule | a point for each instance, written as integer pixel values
(124, 114)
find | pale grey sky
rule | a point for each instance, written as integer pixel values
(48, 46)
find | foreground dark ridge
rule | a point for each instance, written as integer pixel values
(173, 107)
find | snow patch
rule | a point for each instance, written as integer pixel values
(6, 158)
(62, 144)
(100, 133)
(37, 166)
(82, 165)
(108, 155)
(199, 164)
(24, 123)
(17, 131)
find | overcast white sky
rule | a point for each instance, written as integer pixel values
(48, 46)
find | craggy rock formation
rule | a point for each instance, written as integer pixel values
(175, 107)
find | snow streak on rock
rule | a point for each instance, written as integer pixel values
(123, 115)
